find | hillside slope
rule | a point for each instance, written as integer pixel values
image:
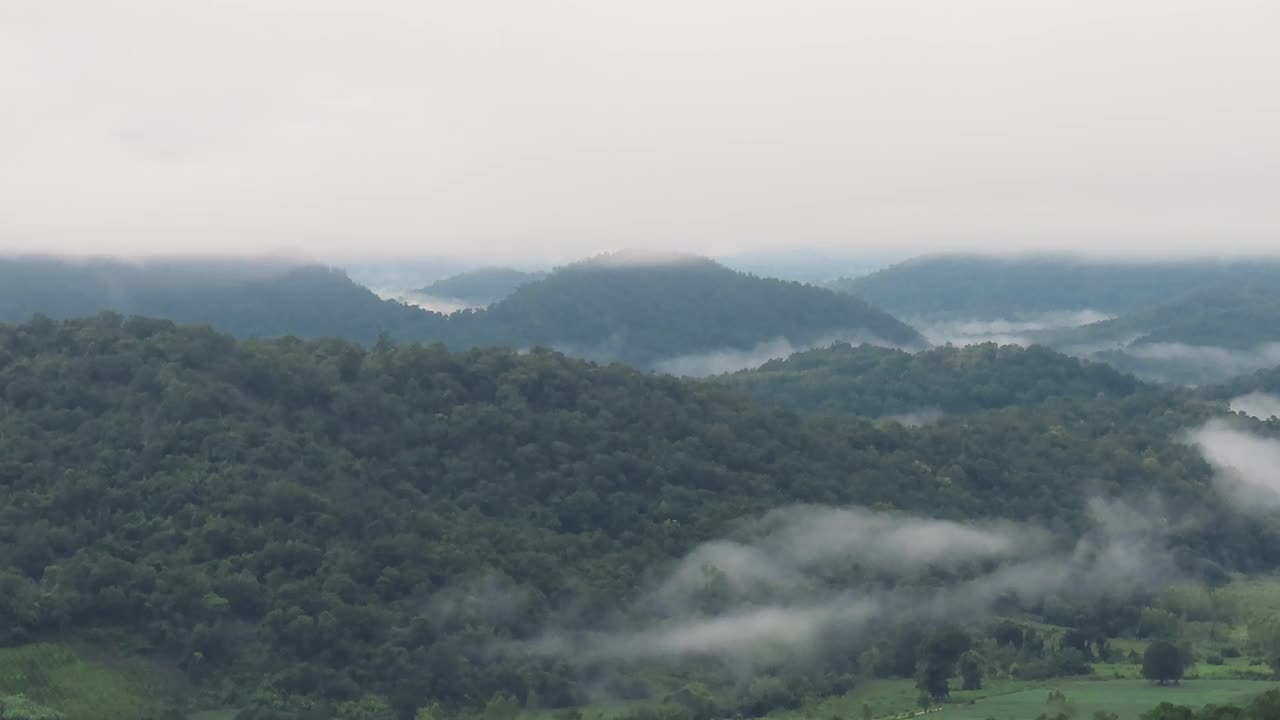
(875, 382)
(961, 286)
(1205, 337)
(482, 286)
(643, 310)
(1238, 318)
(247, 299)
(606, 309)
(306, 524)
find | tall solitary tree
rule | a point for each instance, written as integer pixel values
(971, 671)
(1162, 663)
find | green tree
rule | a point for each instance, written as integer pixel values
(1162, 662)
(1169, 711)
(971, 671)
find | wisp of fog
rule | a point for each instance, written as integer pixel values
(805, 572)
(1260, 405)
(1246, 466)
(727, 360)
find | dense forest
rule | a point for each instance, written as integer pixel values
(319, 526)
(963, 286)
(1204, 337)
(1239, 318)
(482, 286)
(614, 307)
(643, 310)
(247, 299)
(875, 382)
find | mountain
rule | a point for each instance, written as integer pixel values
(245, 298)
(482, 286)
(644, 309)
(637, 309)
(966, 286)
(1237, 318)
(816, 267)
(877, 382)
(1203, 337)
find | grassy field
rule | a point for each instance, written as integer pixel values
(1127, 698)
(1024, 700)
(100, 688)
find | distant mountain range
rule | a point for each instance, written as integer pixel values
(248, 299)
(915, 387)
(967, 286)
(646, 308)
(631, 307)
(482, 286)
(1188, 321)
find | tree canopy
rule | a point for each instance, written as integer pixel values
(337, 526)
(1162, 662)
(875, 382)
(971, 286)
(613, 307)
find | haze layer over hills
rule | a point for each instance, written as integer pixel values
(1189, 321)
(639, 309)
(482, 286)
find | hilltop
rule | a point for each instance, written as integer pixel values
(876, 382)
(643, 309)
(482, 286)
(972, 286)
(243, 297)
(628, 307)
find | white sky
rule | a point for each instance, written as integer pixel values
(552, 128)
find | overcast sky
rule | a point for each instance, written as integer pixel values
(551, 129)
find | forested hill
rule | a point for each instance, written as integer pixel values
(876, 382)
(961, 286)
(303, 524)
(615, 307)
(642, 310)
(1236, 318)
(247, 299)
(480, 287)
(1204, 337)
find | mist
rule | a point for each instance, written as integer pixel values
(1004, 331)
(806, 572)
(727, 360)
(1246, 465)
(916, 418)
(1260, 405)
(1190, 364)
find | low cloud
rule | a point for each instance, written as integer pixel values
(809, 573)
(1179, 362)
(1262, 406)
(447, 306)
(1004, 331)
(727, 360)
(1246, 466)
(790, 546)
(916, 418)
